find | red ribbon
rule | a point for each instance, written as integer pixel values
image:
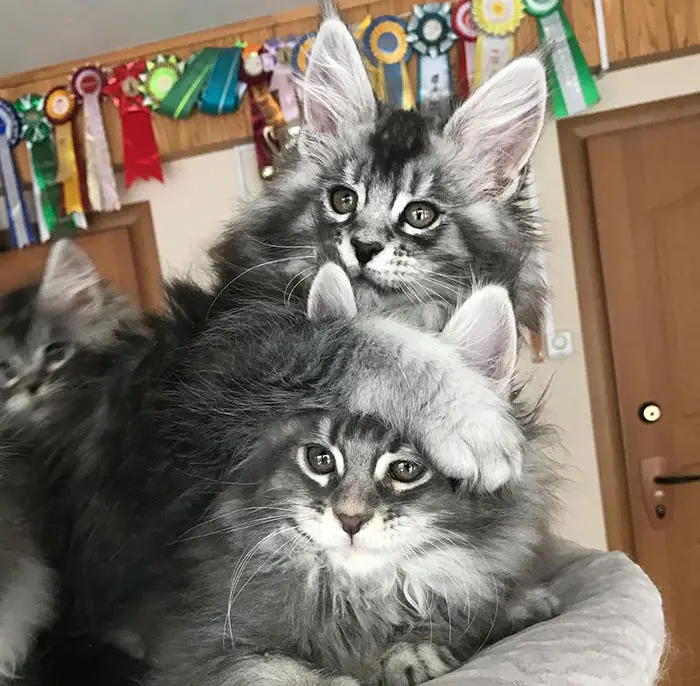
(467, 33)
(141, 156)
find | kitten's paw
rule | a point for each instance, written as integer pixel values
(410, 664)
(343, 681)
(537, 605)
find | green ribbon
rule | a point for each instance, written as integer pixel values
(36, 132)
(572, 86)
(183, 96)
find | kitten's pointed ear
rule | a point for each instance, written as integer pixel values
(486, 333)
(331, 295)
(70, 280)
(336, 89)
(498, 126)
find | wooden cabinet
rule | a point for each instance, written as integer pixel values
(635, 29)
(121, 244)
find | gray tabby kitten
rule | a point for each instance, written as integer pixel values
(45, 326)
(44, 329)
(415, 213)
(344, 553)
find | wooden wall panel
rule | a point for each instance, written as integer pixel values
(684, 23)
(615, 30)
(646, 23)
(582, 18)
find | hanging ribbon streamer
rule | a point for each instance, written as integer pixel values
(430, 34)
(221, 93)
(571, 84)
(376, 76)
(59, 108)
(157, 80)
(87, 85)
(21, 231)
(466, 57)
(266, 114)
(184, 94)
(387, 47)
(277, 59)
(141, 156)
(497, 21)
(301, 52)
(36, 132)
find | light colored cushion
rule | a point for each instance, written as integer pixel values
(611, 631)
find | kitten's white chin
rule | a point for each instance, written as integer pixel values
(358, 561)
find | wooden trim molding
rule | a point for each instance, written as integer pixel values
(573, 140)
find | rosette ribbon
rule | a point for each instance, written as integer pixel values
(467, 33)
(158, 78)
(301, 52)
(429, 33)
(266, 114)
(387, 48)
(277, 60)
(376, 76)
(102, 192)
(36, 131)
(496, 21)
(21, 231)
(141, 156)
(221, 94)
(571, 84)
(59, 108)
(185, 92)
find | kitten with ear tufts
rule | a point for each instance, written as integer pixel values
(416, 213)
(344, 550)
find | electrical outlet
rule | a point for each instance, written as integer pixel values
(560, 344)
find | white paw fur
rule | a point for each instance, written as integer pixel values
(410, 664)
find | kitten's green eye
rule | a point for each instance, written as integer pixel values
(343, 200)
(55, 352)
(420, 215)
(320, 459)
(406, 471)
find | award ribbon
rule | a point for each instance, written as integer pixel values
(376, 76)
(467, 33)
(21, 231)
(158, 78)
(387, 47)
(277, 59)
(265, 112)
(36, 131)
(101, 185)
(185, 92)
(497, 21)
(221, 93)
(571, 84)
(429, 32)
(301, 52)
(141, 157)
(59, 108)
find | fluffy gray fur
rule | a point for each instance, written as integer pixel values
(282, 594)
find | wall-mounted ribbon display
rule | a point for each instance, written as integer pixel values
(430, 34)
(571, 84)
(466, 56)
(158, 78)
(386, 45)
(21, 231)
(221, 95)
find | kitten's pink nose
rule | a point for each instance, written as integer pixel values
(365, 251)
(351, 523)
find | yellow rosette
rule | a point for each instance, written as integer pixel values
(59, 107)
(376, 77)
(497, 22)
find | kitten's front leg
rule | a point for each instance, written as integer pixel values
(536, 605)
(410, 664)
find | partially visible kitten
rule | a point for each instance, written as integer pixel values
(45, 326)
(342, 552)
(416, 213)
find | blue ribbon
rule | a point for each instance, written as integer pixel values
(221, 94)
(21, 231)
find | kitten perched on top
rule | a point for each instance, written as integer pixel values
(415, 214)
(343, 552)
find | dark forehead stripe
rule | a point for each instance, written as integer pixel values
(401, 135)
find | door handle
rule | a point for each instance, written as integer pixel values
(676, 479)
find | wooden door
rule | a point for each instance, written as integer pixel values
(645, 184)
(121, 244)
